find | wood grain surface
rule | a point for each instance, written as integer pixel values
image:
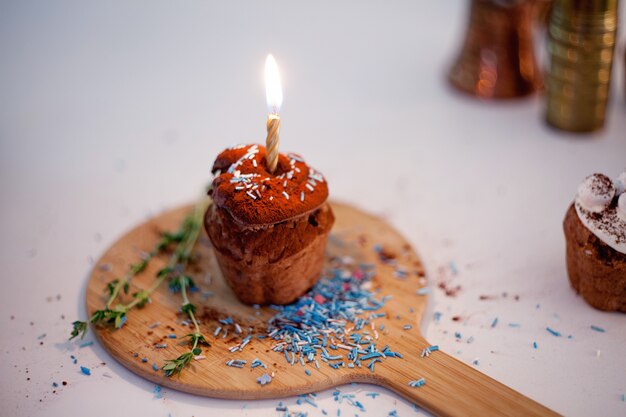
(452, 388)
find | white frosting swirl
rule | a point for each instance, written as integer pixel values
(598, 212)
(595, 193)
(621, 207)
(620, 183)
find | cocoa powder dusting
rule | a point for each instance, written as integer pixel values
(253, 196)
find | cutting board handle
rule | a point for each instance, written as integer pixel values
(453, 388)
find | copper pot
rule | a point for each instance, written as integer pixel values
(497, 59)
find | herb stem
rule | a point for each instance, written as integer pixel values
(180, 257)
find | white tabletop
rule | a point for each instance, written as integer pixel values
(110, 113)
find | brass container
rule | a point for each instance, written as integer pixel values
(581, 43)
(497, 59)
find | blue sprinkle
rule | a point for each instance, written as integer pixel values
(457, 335)
(306, 371)
(155, 367)
(476, 362)
(553, 332)
(597, 329)
(418, 383)
(85, 344)
(514, 325)
(535, 345)
(85, 370)
(264, 379)
(407, 327)
(494, 322)
(54, 384)
(171, 336)
(144, 360)
(157, 392)
(423, 291)
(623, 397)
(41, 336)
(121, 323)
(372, 394)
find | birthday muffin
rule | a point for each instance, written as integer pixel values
(269, 230)
(595, 235)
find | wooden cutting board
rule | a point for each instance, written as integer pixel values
(452, 388)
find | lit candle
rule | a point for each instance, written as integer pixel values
(274, 96)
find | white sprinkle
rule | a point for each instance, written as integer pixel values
(199, 357)
(309, 187)
(286, 195)
(271, 197)
(285, 184)
(254, 163)
(251, 195)
(302, 196)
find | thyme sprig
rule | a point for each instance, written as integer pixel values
(181, 283)
(185, 238)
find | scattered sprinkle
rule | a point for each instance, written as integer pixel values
(535, 346)
(423, 291)
(85, 370)
(85, 344)
(264, 379)
(553, 332)
(418, 383)
(427, 351)
(306, 371)
(494, 323)
(597, 329)
(157, 392)
(236, 363)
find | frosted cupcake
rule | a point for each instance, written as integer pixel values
(269, 231)
(595, 234)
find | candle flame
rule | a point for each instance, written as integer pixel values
(273, 89)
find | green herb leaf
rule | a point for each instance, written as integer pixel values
(188, 309)
(79, 328)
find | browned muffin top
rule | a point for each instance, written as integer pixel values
(253, 196)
